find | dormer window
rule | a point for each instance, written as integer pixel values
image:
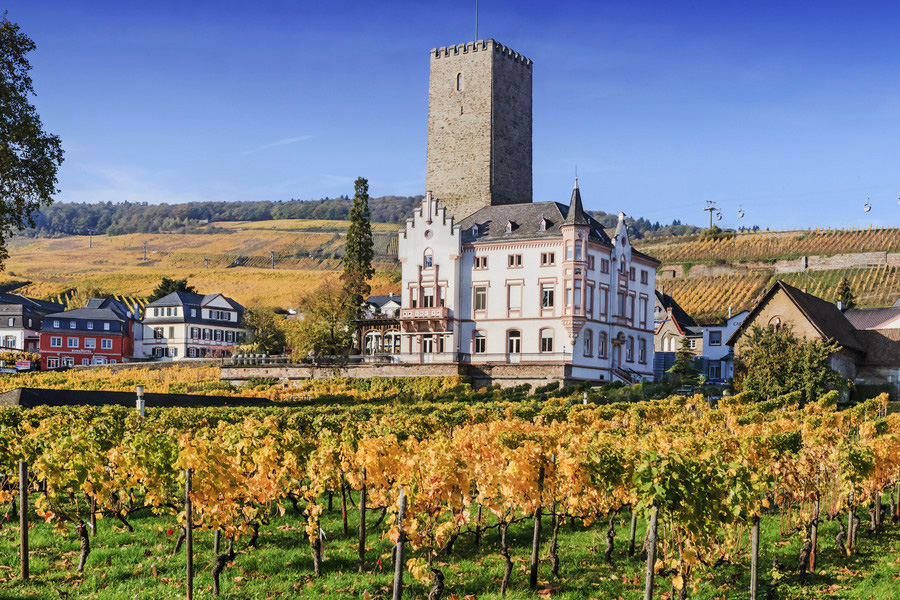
(475, 230)
(543, 224)
(509, 226)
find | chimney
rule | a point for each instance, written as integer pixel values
(840, 306)
(729, 312)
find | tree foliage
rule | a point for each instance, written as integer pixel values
(29, 157)
(360, 249)
(326, 327)
(167, 286)
(845, 294)
(684, 364)
(266, 329)
(775, 362)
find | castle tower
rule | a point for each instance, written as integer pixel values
(479, 127)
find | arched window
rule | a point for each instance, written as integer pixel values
(459, 82)
(601, 346)
(588, 342)
(776, 323)
(546, 340)
(514, 341)
(479, 342)
(373, 343)
(392, 341)
(429, 258)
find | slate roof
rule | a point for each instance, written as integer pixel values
(824, 316)
(576, 214)
(526, 221)
(188, 298)
(871, 318)
(96, 308)
(38, 305)
(380, 301)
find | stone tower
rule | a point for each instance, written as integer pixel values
(479, 127)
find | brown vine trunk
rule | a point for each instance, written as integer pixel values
(377, 523)
(344, 504)
(254, 537)
(633, 532)
(610, 539)
(182, 534)
(478, 528)
(554, 546)
(437, 585)
(803, 560)
(82, 531)
(814, 535)
(504, 551)
(219, 565)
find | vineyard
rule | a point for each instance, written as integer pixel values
(707, 298)
(467, 494)
(767, 246)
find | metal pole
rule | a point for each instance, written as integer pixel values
(23, 517)
(401, 542)
(140, 399)
(189, 534)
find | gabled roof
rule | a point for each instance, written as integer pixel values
(188, 298)
(683, 321)
(382, 300)
(871, 318)
(882, 346)
(824, 316)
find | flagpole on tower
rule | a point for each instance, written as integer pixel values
(476, 20)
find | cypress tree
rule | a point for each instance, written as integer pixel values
(360, 249)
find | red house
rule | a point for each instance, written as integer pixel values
(100, 333)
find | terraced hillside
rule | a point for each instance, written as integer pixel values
(707, 276)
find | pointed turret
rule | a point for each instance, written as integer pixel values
(621, 229)
(576, 214)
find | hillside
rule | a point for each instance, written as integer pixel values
(707, 276)
(239, 264)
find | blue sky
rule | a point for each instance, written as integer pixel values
(790, 110)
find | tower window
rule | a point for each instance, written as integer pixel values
(459, 82)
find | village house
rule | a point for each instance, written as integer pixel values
(103, 332)
(186, 325)
(21, 320)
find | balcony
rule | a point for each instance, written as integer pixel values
(425, 319)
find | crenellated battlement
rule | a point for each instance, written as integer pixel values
(480, 46)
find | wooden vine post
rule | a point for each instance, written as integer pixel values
(398, 561)
(23, 517)
(189, 536)
(651, 550)
(536, 539)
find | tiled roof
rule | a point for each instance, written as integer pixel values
(188, 298)
(882, 346)
(38, 305)
(871, 318)
(96, 308)
(380, 301)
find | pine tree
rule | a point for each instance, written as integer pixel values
(360, 250)
(845, 294)
(684, 364)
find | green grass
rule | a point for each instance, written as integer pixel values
(140, 565)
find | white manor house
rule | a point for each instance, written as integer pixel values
(505, 288)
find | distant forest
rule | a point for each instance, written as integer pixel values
(200, 217)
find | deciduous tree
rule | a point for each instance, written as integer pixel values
(775, 362)
(326, 327)
(267, 332)
(29, 157)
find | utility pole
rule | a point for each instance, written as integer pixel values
(272, 256)
(710, 208)
(206, 260)
(90, 237)
(145, 250)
